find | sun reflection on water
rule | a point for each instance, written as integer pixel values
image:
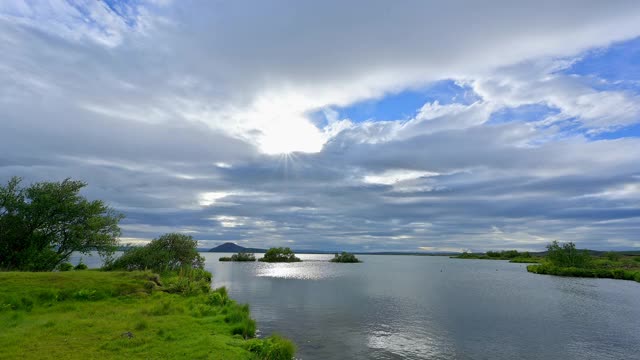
(309, 269)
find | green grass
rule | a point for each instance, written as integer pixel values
(103, 315)
(615, 273)
(624, 267)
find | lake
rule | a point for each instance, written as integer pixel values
(423, 307)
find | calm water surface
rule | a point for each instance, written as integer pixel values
(411, 307)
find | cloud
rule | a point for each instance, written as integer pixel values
(530, 83)
(199, 117)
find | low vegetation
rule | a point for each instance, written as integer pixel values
(239, 257)
(345, 257)
(280, 255)
(119, 314)
(566, 260)
(511, 255)
(169, 252)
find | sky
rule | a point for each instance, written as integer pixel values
(333, 125)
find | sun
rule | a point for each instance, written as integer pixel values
(287, 137)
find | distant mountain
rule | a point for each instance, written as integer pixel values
(229, 247)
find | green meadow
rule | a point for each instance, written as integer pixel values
(106, 315)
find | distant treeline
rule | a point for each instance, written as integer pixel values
(564, 259)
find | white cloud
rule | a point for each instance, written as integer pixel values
(391, 177)
(211, 197)
(539, 83)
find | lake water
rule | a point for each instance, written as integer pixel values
(414, 307)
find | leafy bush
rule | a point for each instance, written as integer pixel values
(169, 252)
(80, 266)
(613, 256)
(239, 257)
(566, 255)
(507, 254)
(345, 257)
(65, 266)
(280, 255)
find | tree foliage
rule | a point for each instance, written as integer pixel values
(507, 254)
(345, 257)
(566, 255)
(169, 252)
(241, 256)
(280, 254)
(42, 224)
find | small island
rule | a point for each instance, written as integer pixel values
(564, 259)
(345, 257)
(279, 254)
(241, 256)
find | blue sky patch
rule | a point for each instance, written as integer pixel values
(618, 65)
(405, 104)
(625, 132)
(526, 113)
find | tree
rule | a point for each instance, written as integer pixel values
(241, 256)
(279, 255)
(43, 224)
(169, 252)
(566, 255)
(345, 257)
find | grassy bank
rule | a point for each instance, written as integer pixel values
(622, 274)
(95, 314)
(618, 267)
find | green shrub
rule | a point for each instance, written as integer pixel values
(613, 256)
(272, 348)
(280, 254)
(65, 266)
(566, 255)
(81, 266)
(169, 252)
(218, 297)
(345, 257)
(242, 256)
